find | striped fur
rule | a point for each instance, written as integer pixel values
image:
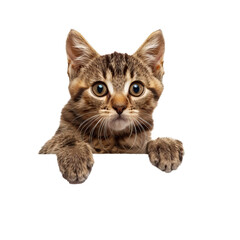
(117, 122)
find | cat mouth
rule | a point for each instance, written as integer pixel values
(119, 123)
(120, 117)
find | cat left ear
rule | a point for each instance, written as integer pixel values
(151, 53)
(79, 53)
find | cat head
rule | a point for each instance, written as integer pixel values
(120, 90)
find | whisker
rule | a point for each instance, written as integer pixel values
(100, 130)
(92, 122)
(143, 125)
(86, 123)
(143, 120)
(92, 131)
(81, 115)
(144, 132)
(131, 128)
(141, 130)
(105, 128)
(135, 130)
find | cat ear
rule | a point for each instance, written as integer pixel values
(151, 53)
(79, 53)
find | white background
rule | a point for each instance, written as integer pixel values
(125, 197)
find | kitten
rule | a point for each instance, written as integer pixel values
(110, 110)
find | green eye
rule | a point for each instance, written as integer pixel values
(136, 89)
(99, 89)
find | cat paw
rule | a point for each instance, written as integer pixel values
(165, 153)
(75, 163)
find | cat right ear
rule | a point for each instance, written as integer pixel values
(151, 53)
(79, 53)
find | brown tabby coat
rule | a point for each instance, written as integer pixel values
(117, 122)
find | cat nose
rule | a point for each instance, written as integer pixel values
(119, 102)
(119, 108)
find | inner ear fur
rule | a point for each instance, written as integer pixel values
(151, 52)
(79, 53)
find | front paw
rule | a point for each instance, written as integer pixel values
(165, 153)
(75, 162)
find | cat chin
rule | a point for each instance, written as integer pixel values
(118, 124)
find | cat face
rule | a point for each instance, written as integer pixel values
(117, 92)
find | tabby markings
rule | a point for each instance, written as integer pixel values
(79, 94)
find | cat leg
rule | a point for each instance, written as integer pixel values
(165, 153)
(74, 156)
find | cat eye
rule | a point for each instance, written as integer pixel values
(99, 89)
(136, 89)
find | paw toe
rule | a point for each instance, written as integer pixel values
(174, 166)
